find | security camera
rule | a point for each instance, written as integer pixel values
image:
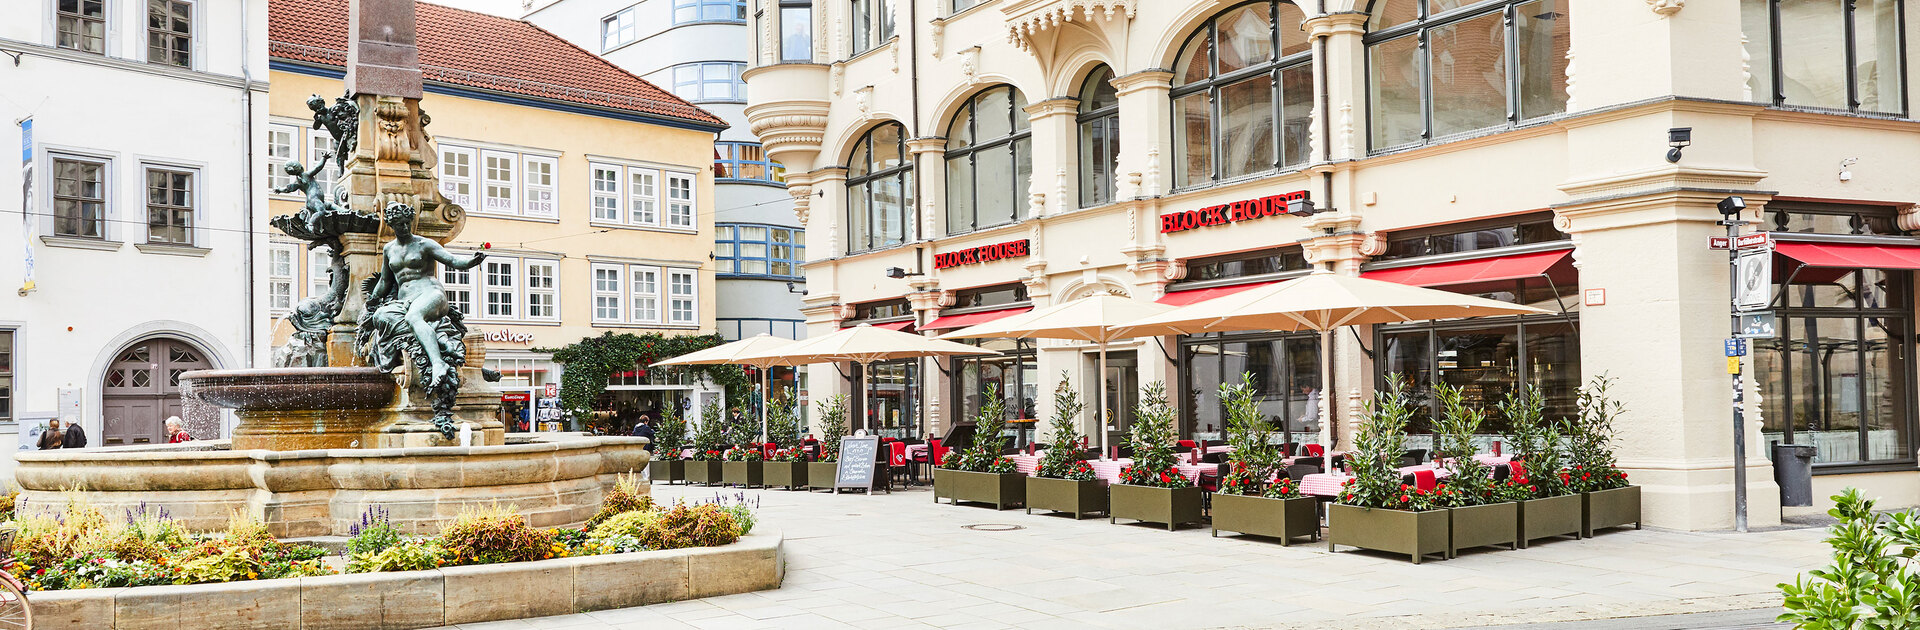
(1733, 205)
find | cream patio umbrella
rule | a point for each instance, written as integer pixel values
(863, 344)
(1320, 301)
(1089, 318)
(730, 354)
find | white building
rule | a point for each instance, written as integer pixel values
(143, 178)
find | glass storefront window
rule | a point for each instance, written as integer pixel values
(1486, 359)
(1507, 232)
(1015, 373)
(1285, 372)
(1837, 375)
(892, 403)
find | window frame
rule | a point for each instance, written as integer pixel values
(277, 176)
(466, 282)
(538, 200)
(652, 296)
(490, 204)
(617, 295)
(450, 182)
(103, 222)
(864, 32)
(174, 211)
(1419, 27)
(1776, 63)
(729, 160)
(736, 87)
(319, 260)
(1106, 189)
(280, 285)
(105, 18)
(700, 11)
(1274, 68)
(729, 264)
(490, 288)
(1861, 316)
(9, 373)
(551, 292)
(692, 297)
(795, 7)
(1016, 138)
(168, 37)
(683, 212)
(319, 140)
(909, 210)
(624, 23)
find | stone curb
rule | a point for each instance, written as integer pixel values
(426, 599)
(1596, 612)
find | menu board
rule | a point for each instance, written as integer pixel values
(858, 458)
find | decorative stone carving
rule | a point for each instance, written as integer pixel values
(1024, 24)
(1909, 218)
(1746, 69)
(1666, 8)
(392, 142)
(970, 65)
(837, 78)
(1374, 244)
(893, 53)
(802, 198)
(863, 98)
(937, 30)
(1572, 79)
(1152, 177)
(1346, 128)
(1060, 190)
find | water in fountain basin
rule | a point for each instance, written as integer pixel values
(202, 419)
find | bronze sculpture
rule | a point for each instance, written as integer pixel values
(407, 314)
(342, 121)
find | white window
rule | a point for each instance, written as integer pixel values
(459, 288)
(543, 289)
(645, 196)
(646, 294)
(606, 293)
(617, 29)
(710, 81)
(497, 181)
(282, 142)
(682, 303)
(538, 180)
(320, 149)
(499, 291)
(606, 193)
(280, 276)
(679, 200)
(456, 175)
(319, 260)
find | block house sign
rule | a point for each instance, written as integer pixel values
(1228, 213)
(982, 254)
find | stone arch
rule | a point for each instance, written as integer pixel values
(217, 355)
(957, 97)
(842, 147)
(1084, 287)
(1183, 26)
(1073, 70)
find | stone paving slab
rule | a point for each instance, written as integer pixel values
(902, 561)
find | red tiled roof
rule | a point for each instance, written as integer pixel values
(477, 50)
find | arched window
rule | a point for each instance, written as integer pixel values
(1242, 95)
(879, 190)
(1833, 55)
(989, 161)
(1444, 67)
(1099, 137)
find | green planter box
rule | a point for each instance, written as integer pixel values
(1417, 534)
(1609, 508)
(1285, 519)
(744, 474)
(666, 471)
(1483, 525)
(1148, 504)
(1001, 490)
(1060, 495)
(704, 472)
(943, 484)
(787, 475)
(820, 475)
(1557, 516)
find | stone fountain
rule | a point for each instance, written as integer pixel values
(380, 399)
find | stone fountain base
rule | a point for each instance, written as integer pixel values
(555, 479)
(292, 409)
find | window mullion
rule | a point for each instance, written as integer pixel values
(1512, 49)
(1426, 86)
(1853, 73)
(1778, 62)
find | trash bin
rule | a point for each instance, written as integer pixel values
(1793, 471)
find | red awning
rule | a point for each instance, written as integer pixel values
(1557, 264)
(1195, 296)
(900, 326)
(971, 319)
(1851, 255)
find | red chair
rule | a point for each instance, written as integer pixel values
(1425, 480)
(766, 450)
(1316, 450)
(1188, 444)
(896, 463)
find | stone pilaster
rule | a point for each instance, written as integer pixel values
(1144, 112)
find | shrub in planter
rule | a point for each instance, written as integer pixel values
(709, 448)
(1152, 490)
(1873, 581)
(1539, 453)
(625, 497)
(1476, 517)
(493, 533)
(1250, 500)
(1064, 482)
(1607, 500)
(788, 469)
(1374, 510)
(979, 473)
(668, 441)
(822, 471)
(743, 467)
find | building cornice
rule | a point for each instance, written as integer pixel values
(508, 98)
(171, 72)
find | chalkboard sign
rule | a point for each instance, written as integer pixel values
(858, 457)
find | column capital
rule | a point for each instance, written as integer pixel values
(927, 144)
(1342, 23)
(1143, 80)
(1059, 106)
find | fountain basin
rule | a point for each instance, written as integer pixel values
(293, 389)
(555, 479)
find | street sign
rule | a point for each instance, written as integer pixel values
(1758, 325)
(552, 390)
(1756, 239)
(1736, 347)
(1719, 242)
(1753, 279)
(1733, 365)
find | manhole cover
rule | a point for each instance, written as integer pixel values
(992, 527)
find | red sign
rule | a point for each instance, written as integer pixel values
(552, 390)
(982, 254)
(515, 397)
(1719, 242)
(1229, 212)
(1743, 241)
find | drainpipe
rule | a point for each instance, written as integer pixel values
(246, 177)
(912, 41)
(1326, 112)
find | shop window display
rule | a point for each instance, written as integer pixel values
(1837, 376)
(1285, 373)
(1014, 373)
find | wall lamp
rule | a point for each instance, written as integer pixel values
(1678, 138)
(1301, 208)
(898, 273)
(790, 289)
(1733, 205)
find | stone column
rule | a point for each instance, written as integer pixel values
(1055, 139)
(929, 155)
(1344, 80)
(1145, 137)
(362, 255)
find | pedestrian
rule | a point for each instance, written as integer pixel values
(51, 438)
(75, 437)
(176, 433)
(645, 429)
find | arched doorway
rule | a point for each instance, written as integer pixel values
(142, 387)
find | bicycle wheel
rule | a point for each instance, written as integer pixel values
(15, 614)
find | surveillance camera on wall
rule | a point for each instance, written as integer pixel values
(1733, 205)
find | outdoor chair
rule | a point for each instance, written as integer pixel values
(897, 467)
(1215, 457)
(1298, 472)
(1318, 463)
(1315, 450)
(1289, 449)
(1339, 461)
(1413, 457)
(1213, 443)
(1188, 445)
(1500, 473)
(1422, 479)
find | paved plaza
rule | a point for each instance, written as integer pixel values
(902, 561)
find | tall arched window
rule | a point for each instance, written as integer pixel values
(1242, 95)
(879, 190)
(1444, 67)
(1099, 137)
(989, 161)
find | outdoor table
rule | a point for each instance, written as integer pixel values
(1109, 469)
(1026, 464)
(1328, 484)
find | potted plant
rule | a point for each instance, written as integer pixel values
(1250, 500)
(744, 466)
(1553, 508)
(1152, 490)
(1477, 515)
(787, 469)
(822, 471)
(668, 441)
(1606, 499)
(980, 473)
(709, 440)
(788, 466)
(1374, 510)
(1064, 482)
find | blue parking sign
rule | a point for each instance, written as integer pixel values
(1736, 347)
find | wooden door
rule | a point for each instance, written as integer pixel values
(142, 388)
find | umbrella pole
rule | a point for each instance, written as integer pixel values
(765, 399)
(1326, 395)
(1101, 378)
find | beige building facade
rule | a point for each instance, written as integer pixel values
(968, 159)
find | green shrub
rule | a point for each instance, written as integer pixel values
(1873, 582)
(373, 534)
(833, 426)
(742, 517)
(627, 496)
(492, 534)
(407, 555)
(682, 526)
(617, 543)
(624, 524)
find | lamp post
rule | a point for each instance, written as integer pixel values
(1730, 209)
